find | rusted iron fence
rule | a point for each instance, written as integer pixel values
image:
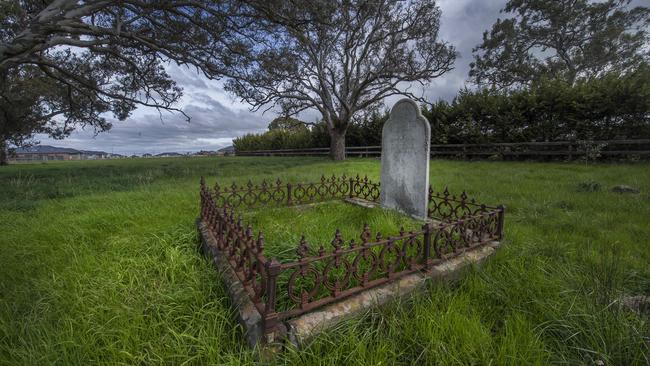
(321, 276)
(638, 148)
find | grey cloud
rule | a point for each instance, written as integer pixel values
(462, 24)
(213, 125)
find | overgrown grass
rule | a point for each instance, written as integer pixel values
(283, 227)
(100, 265)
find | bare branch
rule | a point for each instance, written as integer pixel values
(339, 57)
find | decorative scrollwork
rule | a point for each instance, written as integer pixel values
(447, 207)
(302, 287)
(364, 265)
(332, 278)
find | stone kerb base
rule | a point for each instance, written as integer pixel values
(247, 314)
(304, 327)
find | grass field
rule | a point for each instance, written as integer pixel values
(99, 265)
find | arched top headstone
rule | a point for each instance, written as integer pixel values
(405, 145)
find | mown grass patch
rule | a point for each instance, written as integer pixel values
(100, 265)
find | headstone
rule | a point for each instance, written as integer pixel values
(405, 144)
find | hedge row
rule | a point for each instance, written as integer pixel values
(604, 109)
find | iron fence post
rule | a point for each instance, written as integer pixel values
(427, 246)
(210, 219)
(351, 187)
(218, 229)
(202, 208)
(206, 212)
(500, 216)
(214, 218)
(289, 194)
(271, 318)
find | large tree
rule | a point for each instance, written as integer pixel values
(67, 63)
(565, 39)
(341, 58)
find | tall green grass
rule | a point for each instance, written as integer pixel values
(283, 227)
(99, 264)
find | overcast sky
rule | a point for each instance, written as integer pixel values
(217, 117)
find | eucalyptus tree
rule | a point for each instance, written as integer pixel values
(68, 63)
(565, 39)
(340, 58)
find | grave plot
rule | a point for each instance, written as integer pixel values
(292, 231)
(282, 292)
(286, 226)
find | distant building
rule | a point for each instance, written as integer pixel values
(205, 153)
(94, 155)
(53, 153)
(45, 153)
(168, 155)
(228, 150)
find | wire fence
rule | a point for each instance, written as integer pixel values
(628, 149)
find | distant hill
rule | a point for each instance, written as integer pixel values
(227, 149)
(46, 149)
(92, 152)
(169, 154)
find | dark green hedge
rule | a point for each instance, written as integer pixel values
(552, 110)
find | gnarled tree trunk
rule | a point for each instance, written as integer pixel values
(4, 155)
(337, 143)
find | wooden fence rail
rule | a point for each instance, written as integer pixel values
(639, 148)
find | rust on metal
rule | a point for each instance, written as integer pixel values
(347, 266)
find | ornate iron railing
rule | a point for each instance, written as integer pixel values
(319, 277)
(279, 194)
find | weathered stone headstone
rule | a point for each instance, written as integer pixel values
(405, 144)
